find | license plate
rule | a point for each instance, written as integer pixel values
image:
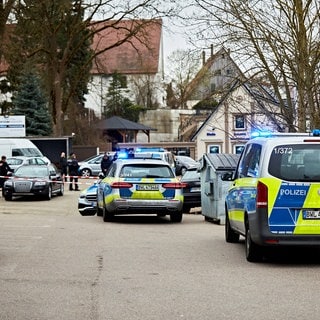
(147, 187)
(311, 214)
(196, 189)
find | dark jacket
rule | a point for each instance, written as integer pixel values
(73, 167)
(4, 168)
(63, 164)
(105, 164)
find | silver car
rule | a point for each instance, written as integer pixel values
(90, 166)
(16, 162)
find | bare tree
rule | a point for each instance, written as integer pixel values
(278, 41)
(46, 26)
(6, 7)
(183, 66)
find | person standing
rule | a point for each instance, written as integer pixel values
(4, 169)
(63, 164)
(105, 163)
(73, 167)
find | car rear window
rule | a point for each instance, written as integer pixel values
(146, 171)
(191, 175)
(296, 162)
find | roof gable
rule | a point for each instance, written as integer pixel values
(257, 93)
(139, 49)
(118, 123)
(218, 62)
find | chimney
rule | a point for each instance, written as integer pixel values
(211, 47)
(203, 57)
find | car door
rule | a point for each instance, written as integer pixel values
(241, 196)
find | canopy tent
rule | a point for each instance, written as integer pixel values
(115, 126)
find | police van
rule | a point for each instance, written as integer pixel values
(274, 198)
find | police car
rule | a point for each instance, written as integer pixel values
(139, 185)
(274, 199)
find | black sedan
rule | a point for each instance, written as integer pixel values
(192, 191)
(34, 180)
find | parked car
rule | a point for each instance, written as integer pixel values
(92, 165)
(135, 186)
(87, 202)
(32, 180)
(16, 162)
(192, 189)
(183, 163)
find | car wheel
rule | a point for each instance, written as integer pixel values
(186, 209)
(8, 197)
(176, 217)
(183, 170)
(230, 235)
(85, 172)
(61, 191)
(99, 212)
(49, 194)
(107, 216)
(253, 251)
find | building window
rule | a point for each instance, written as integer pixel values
(213, 148)
(237, 149)
(239, 122)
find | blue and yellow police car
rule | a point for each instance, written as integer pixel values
(137, 184)
(274, 198)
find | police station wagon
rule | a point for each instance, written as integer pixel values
(274, 199)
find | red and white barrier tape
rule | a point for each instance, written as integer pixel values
(59, 181)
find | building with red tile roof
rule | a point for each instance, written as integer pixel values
(132, 48)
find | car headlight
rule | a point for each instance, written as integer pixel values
(40, 183)
(8, 183)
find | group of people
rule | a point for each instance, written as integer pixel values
(70, 167)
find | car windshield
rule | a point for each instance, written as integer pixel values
(146, 171)
(298, 162)
(186, 159)
(191, 175)
(14, 161)
(30, 171)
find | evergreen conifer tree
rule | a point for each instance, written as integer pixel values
(32, 103)
(119, 105)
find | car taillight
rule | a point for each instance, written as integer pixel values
(119, 185)
(262, 195)
(174, 185)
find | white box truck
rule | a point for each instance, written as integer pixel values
(11, 147)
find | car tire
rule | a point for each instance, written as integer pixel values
(176, 217)
(48, 196)
(186, 209)
(8, 197)
(85, 172)
(230, 235)
(61, 191)
(183, 170)
(99, 211)
(107, 216)
(253, 251)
